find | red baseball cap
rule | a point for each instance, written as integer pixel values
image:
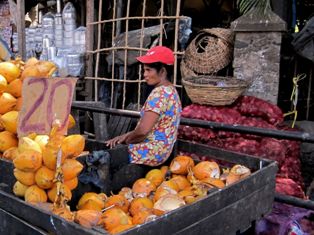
(157, 54)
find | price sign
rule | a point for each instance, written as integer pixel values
(44, 101)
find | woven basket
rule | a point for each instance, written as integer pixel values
(186, 72)
(210, 51)
(214, 91)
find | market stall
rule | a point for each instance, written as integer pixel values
(237, 154)
(232, 200)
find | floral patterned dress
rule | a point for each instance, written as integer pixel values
(156, 148)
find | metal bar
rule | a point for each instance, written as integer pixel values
(92, 107)
(291, 135)
(294, 201)
(21, 27)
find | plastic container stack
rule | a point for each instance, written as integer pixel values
(80, 39)
(45, 45)
(75, 63)
(58, 30)
(48, 26)
(30, 41)
(69, 24)
(56, 38)
(15, 42)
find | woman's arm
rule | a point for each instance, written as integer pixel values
(145, 125)
(143, 128)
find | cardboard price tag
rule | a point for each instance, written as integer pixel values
(45, 100)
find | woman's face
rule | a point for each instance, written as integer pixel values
(151, 76)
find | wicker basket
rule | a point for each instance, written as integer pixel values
(214, 91)
(186, 72)
(210, 51)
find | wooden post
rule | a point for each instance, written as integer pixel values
(20, 24)
(83, 16)
(119, 15)
(309, 92)
(88, 93)
(89, 47)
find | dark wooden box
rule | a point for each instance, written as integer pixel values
(230, 210)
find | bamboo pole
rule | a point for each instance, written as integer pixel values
(127, 48)
(114, 80)
(162, 6)
(141, 46)
(120, 81)
(175, 67)
(21, 28)
(126, 53)
(113, 53)
(137, 18)
(98, 47)
(116, 28)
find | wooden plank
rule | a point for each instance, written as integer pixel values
(100, 126)
(127, 125)
(39, 218)
(119, 127)
(10, 224)
(20, 24)
(114, 121)
(7, 178)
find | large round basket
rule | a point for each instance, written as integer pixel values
(214, 90)
(186, 72)
(210, 51)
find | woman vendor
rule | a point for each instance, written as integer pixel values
(151, 142)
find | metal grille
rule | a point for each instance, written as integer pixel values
(122, 37)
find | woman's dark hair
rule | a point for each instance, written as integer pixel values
(158, 66)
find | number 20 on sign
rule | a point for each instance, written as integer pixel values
(44, 101)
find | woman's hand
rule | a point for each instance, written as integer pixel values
(142, 129)
(116, 140)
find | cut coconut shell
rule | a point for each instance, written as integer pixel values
(87, 218)
(168, 203)
(181, 164)
(206, 169)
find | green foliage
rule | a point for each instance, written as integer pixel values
(262, 6)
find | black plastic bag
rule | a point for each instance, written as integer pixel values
(97, 171)
(303, 42)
